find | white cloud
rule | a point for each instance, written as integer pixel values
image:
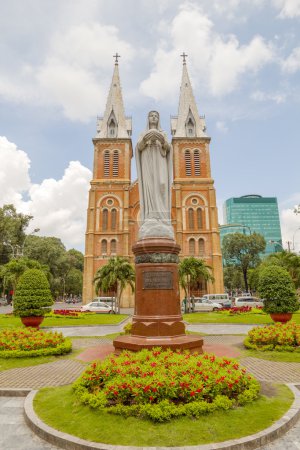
(288, 8)
(220, 62)
(58, 206)
(292, 63)
(290, 222)
(14, 176)
(73, 75)
(260, 96)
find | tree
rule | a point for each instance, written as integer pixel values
(73, 282)
(233, 278)
(33, 296)
(278, 290)
(243, 251)
(114, 276)
(12, 231)
(11, 272)
(191, 271)
(46, 250)
(287, 260)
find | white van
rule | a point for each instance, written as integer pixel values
(217, 298)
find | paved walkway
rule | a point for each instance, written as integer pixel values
(14, 434)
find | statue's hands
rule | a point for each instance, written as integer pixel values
(153, 135)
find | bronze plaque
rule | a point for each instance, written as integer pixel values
(158, 280)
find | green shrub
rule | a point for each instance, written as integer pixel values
(278, 290)
(128, 328)
(33, 295)
(160, 385)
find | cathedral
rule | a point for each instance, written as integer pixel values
(113, 209)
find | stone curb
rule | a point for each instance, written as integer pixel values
(21, 392)
(70, 442)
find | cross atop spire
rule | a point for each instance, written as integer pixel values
(183, 56)
(116, 56)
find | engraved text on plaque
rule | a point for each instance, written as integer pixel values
(157, 280)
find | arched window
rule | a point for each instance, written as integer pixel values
(191, 218)
(188, 169)
(197, 163)
(106, 163)
(113, 247)
(201, 247)
(192, 246)
(113, 219)
(199, 219)
(104, 219)
(104, 247)
(112, 128)
(115, 163)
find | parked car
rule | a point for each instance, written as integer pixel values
(217, 298)
(98, 307)
(202, 304)
(248, 301)
(227, 304)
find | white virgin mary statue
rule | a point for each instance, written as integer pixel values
(153, 156)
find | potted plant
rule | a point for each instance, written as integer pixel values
(278, 291)
(32, 299)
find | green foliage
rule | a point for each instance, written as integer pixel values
(128, 328)
(11, 272)
(233, 278)
(33, 295)
(279, 337)
(243, 251)
(287, 260)
(160, 385)
(114, 276)
(193, 270)
(278, 290)
(12, 231)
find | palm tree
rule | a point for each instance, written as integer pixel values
(115, 275)
(191, 271)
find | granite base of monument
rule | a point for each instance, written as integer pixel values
(157, 320)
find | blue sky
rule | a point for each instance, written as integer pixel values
(56, 67)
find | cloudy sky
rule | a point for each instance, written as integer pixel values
(55, 69)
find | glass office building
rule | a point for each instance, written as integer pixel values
(254, 213)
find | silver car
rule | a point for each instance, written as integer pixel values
(201, 304)
(98, 307)
(247, 301)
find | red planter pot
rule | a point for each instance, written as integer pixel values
(281, 317)
(32, 321)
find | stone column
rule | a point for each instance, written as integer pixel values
(157, 320)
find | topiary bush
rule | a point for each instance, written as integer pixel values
(279, 337)
(160, 385)
(278, 290)
(33, 296)
(29, 342)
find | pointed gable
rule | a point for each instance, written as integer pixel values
(114, 123)
(188, 123)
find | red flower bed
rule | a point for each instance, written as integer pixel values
(67, 312)
(280, 337)
(164, 384)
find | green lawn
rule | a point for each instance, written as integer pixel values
(59, 408)
(9, 321)
(224, 317)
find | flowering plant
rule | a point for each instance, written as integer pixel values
(280, 336)
(67, 312)
(164, 384)
(23, 342)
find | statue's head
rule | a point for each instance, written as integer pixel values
(153, 119)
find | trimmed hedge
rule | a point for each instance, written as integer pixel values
(33, 296)
(161, 385)
(30, 342)
(277, 289)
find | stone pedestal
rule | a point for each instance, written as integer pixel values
(157, 321)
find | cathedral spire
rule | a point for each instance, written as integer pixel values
(188, 123)
(114, 124)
